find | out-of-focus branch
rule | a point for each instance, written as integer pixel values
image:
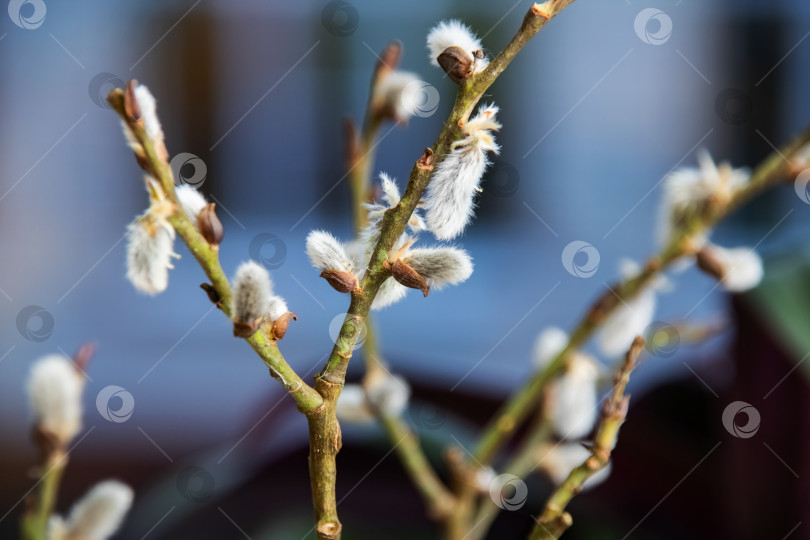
(555, 520)
(771, 171)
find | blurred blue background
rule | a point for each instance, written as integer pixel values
(593, 118)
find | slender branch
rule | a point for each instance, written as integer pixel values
(554, 520)
(331, 378)
(772, 170)
(306, 398)
(35, 520)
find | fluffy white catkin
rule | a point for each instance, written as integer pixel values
(742, 265)
(98, 515)
(399, 92)
(449, 201)
(453, 33)
(550, 343)
(148, 106)
(55, 391)
(352, 407)
(276, 307)
(327, 253)
(389, 395)
(573, 400)
(390, 292)
(560, 459)
(149, 255)
(252, 293)
(440, 266)
(191, 200)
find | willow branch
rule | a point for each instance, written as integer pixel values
(777, 166)
(307, 398)
(554, 520)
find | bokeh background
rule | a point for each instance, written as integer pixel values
(596, 111)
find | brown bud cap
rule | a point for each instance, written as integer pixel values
(341, 281)
(83, 356)
(245, 329)
(426, 161)
(456, 62)
(280, 325)
(407, 276)
(212, 293)
(209, 225)
(131, 107)
(709, 263)
(388, 60)
(46, 442)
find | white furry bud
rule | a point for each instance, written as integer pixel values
(398, 94)
(55, 390)
(352, 407)
(148, 106)
(742, 267)
(449, 201)
(191, 200)
(440, 266)
(390, 292)
(327, 253)
(560, 459)
(687, 191)
(276, 307)
(252, 293)
(389, 395)
(630, 318)
(573, 399)
(150, 249)
(551, 342)
(454, 33)
(98, 515)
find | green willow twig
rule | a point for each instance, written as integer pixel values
(35, 520)
(772, 170)
(360, 163)
(307, 398)
(331, 378)
(555, 520)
